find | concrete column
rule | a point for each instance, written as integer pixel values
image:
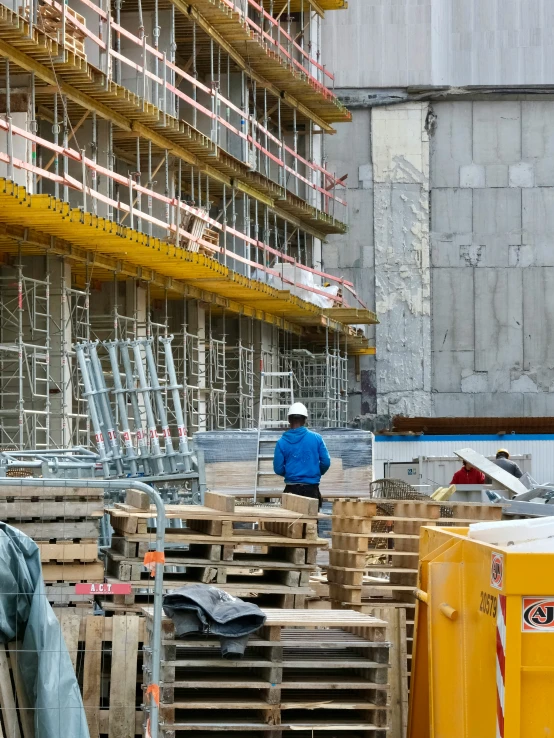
(400, 154)
(61, 397)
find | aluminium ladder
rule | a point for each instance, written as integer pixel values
(271, 405)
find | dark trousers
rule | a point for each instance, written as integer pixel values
(305, 490)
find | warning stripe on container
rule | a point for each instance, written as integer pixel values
(500, 664)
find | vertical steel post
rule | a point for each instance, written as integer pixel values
(174, 388)
(105, 407)
(90, 395)
(132, 391)
(145, 390)
(162, 414)
(119, 394)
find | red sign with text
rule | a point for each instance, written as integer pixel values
(104, 588)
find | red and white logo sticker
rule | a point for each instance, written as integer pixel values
(497, 570)
(537, 614)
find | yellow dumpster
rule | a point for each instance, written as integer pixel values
(483, 658)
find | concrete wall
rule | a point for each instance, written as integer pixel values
(492, 228)
(465, 316)
(386, 254)
(376, 43)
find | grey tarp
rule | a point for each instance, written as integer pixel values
(44, 663)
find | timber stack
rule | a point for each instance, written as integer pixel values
(64, 523)
(318, 673)
(264, 554)
(373, 562)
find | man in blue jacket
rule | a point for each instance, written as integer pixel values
(301, 456)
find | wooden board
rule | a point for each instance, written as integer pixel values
(84, 552)
(41, 508)
(25, 711)
(7, 697)
(488, 467)
(58, 493)
(59, 530)
(123, 676)
(73, 572)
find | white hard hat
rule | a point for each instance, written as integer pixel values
(298, 409)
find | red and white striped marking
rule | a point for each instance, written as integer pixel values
(500, 665)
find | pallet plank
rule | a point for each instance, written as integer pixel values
(26, 713)
(92, 671)
(124, 676)
(7, 698)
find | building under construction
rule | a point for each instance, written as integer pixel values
(164, 172)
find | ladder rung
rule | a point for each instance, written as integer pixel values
(277, 374)
(266, 474)
(273, 423)
(274, 407)
(265, 490)
(265, 456)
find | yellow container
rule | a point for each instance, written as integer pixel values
(483, 659)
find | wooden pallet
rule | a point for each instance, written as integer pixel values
(64, 523)
(248, 551)
(109, 670)
(375, 545)
(375, 551)
(303, 670)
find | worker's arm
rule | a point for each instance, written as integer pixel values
(324, 458)
(517, 471)
(279, 461)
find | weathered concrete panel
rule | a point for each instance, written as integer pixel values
(355, 249)
(499, 404)
(498, 324)
(347, 158)
(496, 132)
(400, 154)
(537, 214)
(538, 316)
(452, 305)
(497, 217)
(449, 368)
(451, 143)
(453, 405)
(451, 211)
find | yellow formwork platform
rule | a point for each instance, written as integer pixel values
(94, 234)
(483, 663)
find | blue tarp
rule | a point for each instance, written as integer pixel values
(43, 660)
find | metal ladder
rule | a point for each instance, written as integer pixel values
(265, 422)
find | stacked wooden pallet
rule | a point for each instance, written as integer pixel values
(64, 524)
(106, 654)
(373, 561)
(315, 673)
(266, 553)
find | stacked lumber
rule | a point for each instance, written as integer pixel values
(64, 524)
(374, 557)
(317, 673)
(252, 552)
(49, 20)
